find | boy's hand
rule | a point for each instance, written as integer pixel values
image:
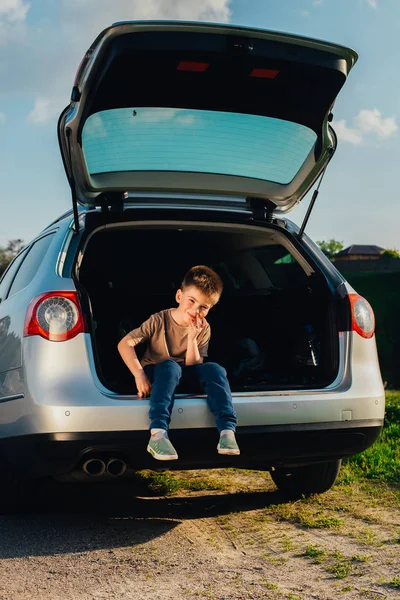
(143, 385)
(196, 325)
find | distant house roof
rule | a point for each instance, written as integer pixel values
(360, 250)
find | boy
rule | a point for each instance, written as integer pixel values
(176, 342)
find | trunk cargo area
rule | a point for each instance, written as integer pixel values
(275, 326)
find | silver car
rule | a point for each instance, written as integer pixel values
(185, 144)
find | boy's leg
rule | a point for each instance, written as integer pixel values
(165, 377)
(213, 380)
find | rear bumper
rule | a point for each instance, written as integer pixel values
(261, 447)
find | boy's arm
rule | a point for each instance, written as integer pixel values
(193, 356)
(126, 348)
(192, 353)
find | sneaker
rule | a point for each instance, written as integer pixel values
(161, 448)
(227, 444)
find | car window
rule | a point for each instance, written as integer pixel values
(201, 141)
(9, 274)
(31, 264)
(262, 268)
(283, 269)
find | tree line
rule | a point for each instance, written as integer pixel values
(8, 252)
(331, 247)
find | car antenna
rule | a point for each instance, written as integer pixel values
(313, 198)
(72, 183)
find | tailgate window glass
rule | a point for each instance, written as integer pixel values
(169, 139)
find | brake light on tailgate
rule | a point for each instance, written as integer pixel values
(55, 316)
(362, 316)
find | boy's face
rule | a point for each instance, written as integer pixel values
(192, 304)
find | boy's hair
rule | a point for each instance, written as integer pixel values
(206, 280)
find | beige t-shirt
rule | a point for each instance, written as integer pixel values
(165, 339)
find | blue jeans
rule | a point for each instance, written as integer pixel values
(165, 377)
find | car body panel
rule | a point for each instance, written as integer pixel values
(72, 399)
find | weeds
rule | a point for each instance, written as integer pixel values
(305, 514)
(314, 552)
(382, 460)
(360, 558)
(287, 545)
(270, 586)
(395, 582)
(340, 570)
(165, 482)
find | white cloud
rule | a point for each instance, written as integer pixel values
(158, 115)
(99, 14)
(366, 122)
(347, 134)
(187, 120)
(371, 121)
(58, 51)
(44, 109)
(12, 20)
(317, 2)
(95, 126)
(371, 3)
(13, 10)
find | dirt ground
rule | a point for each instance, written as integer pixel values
(125, 543)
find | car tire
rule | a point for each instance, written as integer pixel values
(306, 480)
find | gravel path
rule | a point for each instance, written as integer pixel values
(102, 543)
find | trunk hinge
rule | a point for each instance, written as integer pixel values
(111, 201)
(314, 196)
(262, 209)
(72, 183)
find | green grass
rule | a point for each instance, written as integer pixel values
(305, 513)
(382, 460)
(360, 558)
(165, 482)
(315, 552)
(340, 570)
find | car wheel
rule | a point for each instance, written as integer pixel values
(306, 480)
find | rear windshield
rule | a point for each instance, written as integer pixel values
(197, 141)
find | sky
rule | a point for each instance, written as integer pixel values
(43, 41)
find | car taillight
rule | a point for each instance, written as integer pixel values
(55, 316)
(362, 316)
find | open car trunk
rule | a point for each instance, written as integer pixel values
(275, 326)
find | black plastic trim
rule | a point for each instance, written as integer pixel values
(262, 447)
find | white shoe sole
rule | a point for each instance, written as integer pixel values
(161, 456)
(228, 451)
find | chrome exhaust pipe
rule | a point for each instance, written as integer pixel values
(116, 467)
(94, 467)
